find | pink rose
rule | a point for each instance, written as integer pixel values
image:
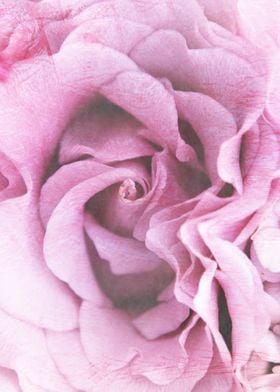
(140, 195)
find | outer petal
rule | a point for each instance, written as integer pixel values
(28, 290)
(64, 244)
(25, 351)
(213, 125)
(8, 380)
(160, 361)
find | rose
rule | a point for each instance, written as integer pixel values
(126, 233)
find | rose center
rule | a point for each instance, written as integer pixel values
(130, 190)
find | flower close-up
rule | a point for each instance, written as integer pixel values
(140, 195)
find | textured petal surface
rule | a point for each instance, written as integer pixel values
(139, 196)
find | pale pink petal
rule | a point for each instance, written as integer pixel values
(120, 206)
(260, 23)
(266, 383)
(268, 347)
(222, 12)
(267, 248)
(160, 361)
(63, 180)
(230, 79)
(25, 351)
(115, 32)
(123, 84)
(146, 99)
(70, 359)
(206, 305)
(167, 175)
(64, 244)
(219, 377)
(247, 327)
(38, 129)
(273, 98)
(213, 125)
(8, 380)
(256, 366)
(233, 217)
(157, 15)
(11, 181)
(199, 347)
(28, 290)
(105, 133)
(265, 241)
(22, 36)
(161, 319)
(125, 255)
(273, 301)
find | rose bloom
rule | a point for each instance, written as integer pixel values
(140, 195)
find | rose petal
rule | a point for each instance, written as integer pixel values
(242, 98)
(163, 318)
(8, 380)
(11, 183)
(260, 23)
(158, 16)
(267, 247)
(125, 255)
(214, 125)
(230, 277)
(64, 179)
(168, 175)
(64, 244)
(268, 347)
(266, 383)
(70, 359)
(28, 290)
(25, 351)
(146, 99)
(158, 361)
(218, 376)
(115, 32)
(105, 133)
(221, 12)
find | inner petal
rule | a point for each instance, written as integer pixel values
(106, 132)
(130, 190)
(119, 207)
(133, 293)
